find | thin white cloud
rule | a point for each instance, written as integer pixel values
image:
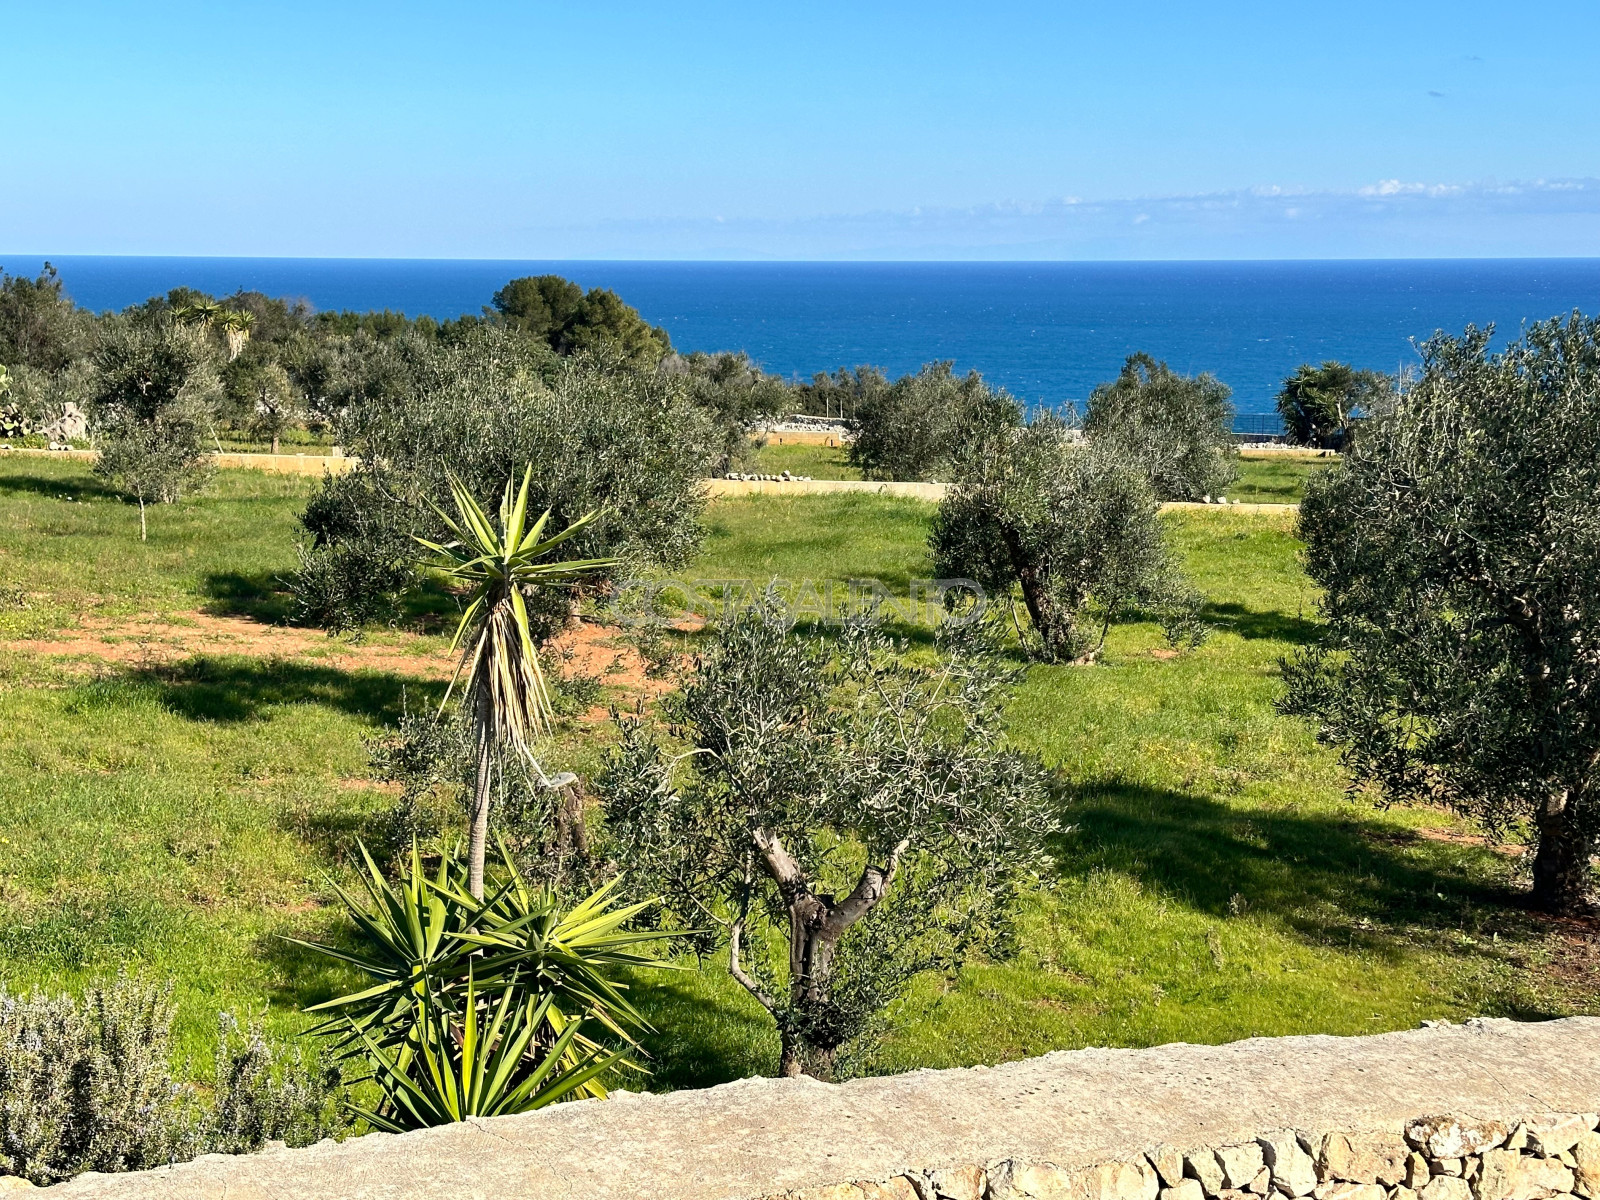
(1387, 218)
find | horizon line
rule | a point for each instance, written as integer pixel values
(433, 258)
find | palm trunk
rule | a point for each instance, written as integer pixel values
(1561, 871)
(478, 837)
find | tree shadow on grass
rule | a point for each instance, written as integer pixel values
(71, 487)
(239, 689)
(697, 1041)
(309, 977)
(1334, 880)
(259, 595)
(1249, 623)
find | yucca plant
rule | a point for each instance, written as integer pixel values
(411, 941)
(525, 933)
(476, 1061)
(203, 313)
(235, 326)
(470, 999)
(505, 684)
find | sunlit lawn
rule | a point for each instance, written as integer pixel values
(1218, 881)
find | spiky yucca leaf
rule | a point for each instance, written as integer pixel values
(410, 934)
(566, 952)
(476, 1061)
(423, 941)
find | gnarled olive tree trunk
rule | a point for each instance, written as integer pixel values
(816, 924)
(1561, 871)
(1053, 625)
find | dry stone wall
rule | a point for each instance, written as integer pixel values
(1553, 1157)
(1297, 1118)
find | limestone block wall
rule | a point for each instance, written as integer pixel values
(1555, 1156)
(1489, 1110)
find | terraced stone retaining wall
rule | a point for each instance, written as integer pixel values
(1554, 1157)
(1296, 1118)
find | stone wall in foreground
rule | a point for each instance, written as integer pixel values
(1330, 1118)
(1554, 1156)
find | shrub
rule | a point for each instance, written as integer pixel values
(1458, 549)
(88, 1086)
(265, 1093)
(1075, 530)
(916, 428)
(600, 436)
(841, 821)
(1319, 405)
(1177, 429)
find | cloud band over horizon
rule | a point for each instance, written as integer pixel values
(1388, 219)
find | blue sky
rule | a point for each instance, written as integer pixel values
(860, 130)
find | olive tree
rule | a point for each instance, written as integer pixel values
(149, 408)
(839, 821)
(916, 427)
(1458, 549)
(1075, 530)
(276, 408)
(600, 436)
(1175, 428)
(1319, 405)
(735, 394)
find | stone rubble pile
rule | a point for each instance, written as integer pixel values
(1556, 1157)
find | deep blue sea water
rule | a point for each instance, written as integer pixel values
(1047, 331)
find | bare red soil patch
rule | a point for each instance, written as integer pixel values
(156, 640)
(160, 640)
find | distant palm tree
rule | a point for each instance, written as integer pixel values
(235, 326)
(505, 684)
(203, 313)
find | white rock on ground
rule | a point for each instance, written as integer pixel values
(1076, 1109)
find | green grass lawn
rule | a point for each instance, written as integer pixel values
(69, 547)
(1217, 883)
(819, 462)
(1276, 478)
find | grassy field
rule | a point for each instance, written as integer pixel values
(1263, 478)
(172, 817)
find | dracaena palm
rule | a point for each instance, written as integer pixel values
(473, 1061)
(481, 1007)
(501, 566)
(235, 325)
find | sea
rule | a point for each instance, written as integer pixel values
(1046, 331)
